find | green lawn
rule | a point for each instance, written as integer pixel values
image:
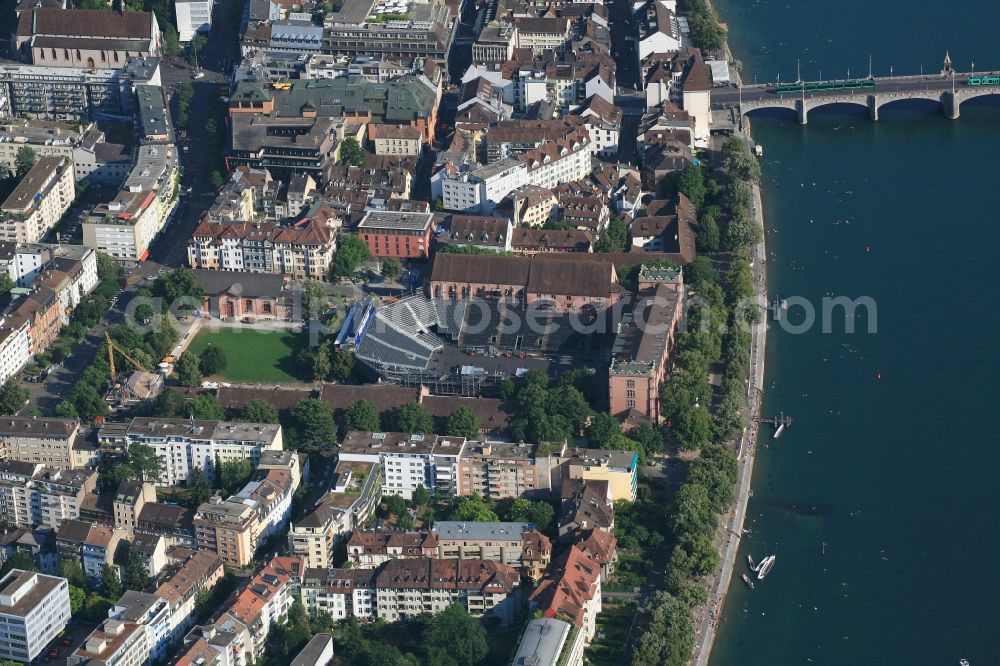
(256, 356)
(613, 624)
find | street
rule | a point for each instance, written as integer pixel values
(169, 249)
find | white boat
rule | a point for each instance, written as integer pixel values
(746, 579)
(765, 567)
(781, 429)
(753, 567)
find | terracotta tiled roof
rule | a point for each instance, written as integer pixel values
(568, 586)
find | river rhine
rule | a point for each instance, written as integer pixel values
(894, 457)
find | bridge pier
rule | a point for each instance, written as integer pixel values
(802, 110)
(950, 103)
(873, 108)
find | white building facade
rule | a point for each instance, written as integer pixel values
(34, 608)
(193, 16)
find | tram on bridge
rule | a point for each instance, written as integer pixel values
(983, 81)
(822, 86)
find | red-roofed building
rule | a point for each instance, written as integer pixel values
(263, 603)
(571, 591)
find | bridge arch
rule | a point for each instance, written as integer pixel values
(772, 108)
(920, 98)
(967, 95)
(820, 102)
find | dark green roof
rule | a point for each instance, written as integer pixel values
(401, 100)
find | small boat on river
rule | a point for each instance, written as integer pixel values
(765, 567)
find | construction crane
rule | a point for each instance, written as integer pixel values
(112, 348)
(121, 392)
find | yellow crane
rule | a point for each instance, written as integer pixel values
(112, 348)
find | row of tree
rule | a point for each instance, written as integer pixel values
(668, 635)
(717, 330)
(450, 638)
(708, 33)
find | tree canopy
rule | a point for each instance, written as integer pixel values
(454, 638)
(188, 370)
(363, 416)
(180, 290)
(463, 422)
(413, 417)
(352, 153)
(312, 423)
(212, 360)
(473, 509)
(351, 252)
(144, 462)
(12, 397)
(23, 161)
(259, 411)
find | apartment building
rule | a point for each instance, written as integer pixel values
(174, 523)
(33, 494)
(405, 235)
(69, 269)
(303, 251)
(407, 460)
(236, 526)
(479, 231)
(41, 309)
(570, 589)
(262, 604)
(356, 493)
(515, 544)
(34, 609)
(15, 346)
(73, 93)
(38, 201)
(618, 468)
(186, 444)
(603, 122)
(408, 588)
(125, 227)
(93, 546)
(343, 593)
(396, 140)
(370, 548)
(152, 614)
(152, 548)
(586, 506)
(192, 572)
(128, 502)
(549, 165)
(658, 30)
(92, 158)
(113, 643)
(500, 470)
(44, 441)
